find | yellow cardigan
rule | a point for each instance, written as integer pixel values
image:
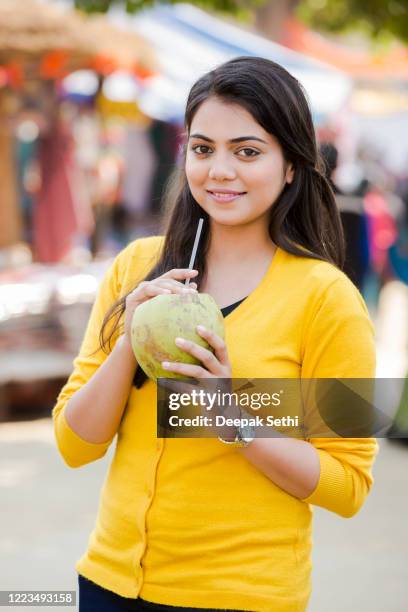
(191, 522)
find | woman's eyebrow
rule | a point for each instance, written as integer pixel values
(239, 139)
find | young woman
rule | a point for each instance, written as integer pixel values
(195, 523)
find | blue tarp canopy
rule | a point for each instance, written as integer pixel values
(189, 42)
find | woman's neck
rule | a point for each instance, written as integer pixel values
(234, 245)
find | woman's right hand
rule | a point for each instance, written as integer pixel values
(167, 283)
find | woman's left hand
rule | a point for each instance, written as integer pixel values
(214, 365)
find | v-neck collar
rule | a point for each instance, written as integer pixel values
(247, 302)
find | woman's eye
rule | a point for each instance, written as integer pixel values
(248, 152)
(205, 150)
(200, 149)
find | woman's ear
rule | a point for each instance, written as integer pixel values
(290, 173)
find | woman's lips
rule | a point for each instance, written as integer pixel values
(225, 197)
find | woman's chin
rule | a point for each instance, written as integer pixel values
(225, 214)
(230, 220)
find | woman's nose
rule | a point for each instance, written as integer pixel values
(220, 170)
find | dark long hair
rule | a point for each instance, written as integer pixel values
(304, 220)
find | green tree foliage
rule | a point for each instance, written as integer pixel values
(224, 6)
(378, 18)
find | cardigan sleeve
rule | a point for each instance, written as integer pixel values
(340, 344)
(74, 449)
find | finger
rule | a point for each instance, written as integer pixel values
(151, 290)
(141, 294)
(169, 284)
(216, 342)
(176, 286)
(206, 357)
(185, 369)
(180, 273)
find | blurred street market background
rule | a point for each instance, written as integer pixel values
(91, 112)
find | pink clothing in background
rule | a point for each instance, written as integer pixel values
(382, 229)
(62, 211)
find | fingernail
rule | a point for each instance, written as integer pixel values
(165, 364)
(201, 328)
(179, 341)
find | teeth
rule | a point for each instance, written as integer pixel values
(225, 195)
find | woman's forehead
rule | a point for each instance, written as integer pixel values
(221, 120)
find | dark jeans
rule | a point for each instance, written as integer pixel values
(93, 598)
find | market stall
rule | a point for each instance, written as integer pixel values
(40, 44)
(44, 203)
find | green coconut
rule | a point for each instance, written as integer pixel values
(157, 322)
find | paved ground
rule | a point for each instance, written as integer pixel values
(47, 510)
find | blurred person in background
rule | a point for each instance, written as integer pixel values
(353, 219)
(385, 214)
(109, 175)
(62, 215)
(397, 197)
(398, 254)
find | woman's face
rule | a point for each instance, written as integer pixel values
(235, 170)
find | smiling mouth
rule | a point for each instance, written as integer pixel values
(226, 193)
(222, 196)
